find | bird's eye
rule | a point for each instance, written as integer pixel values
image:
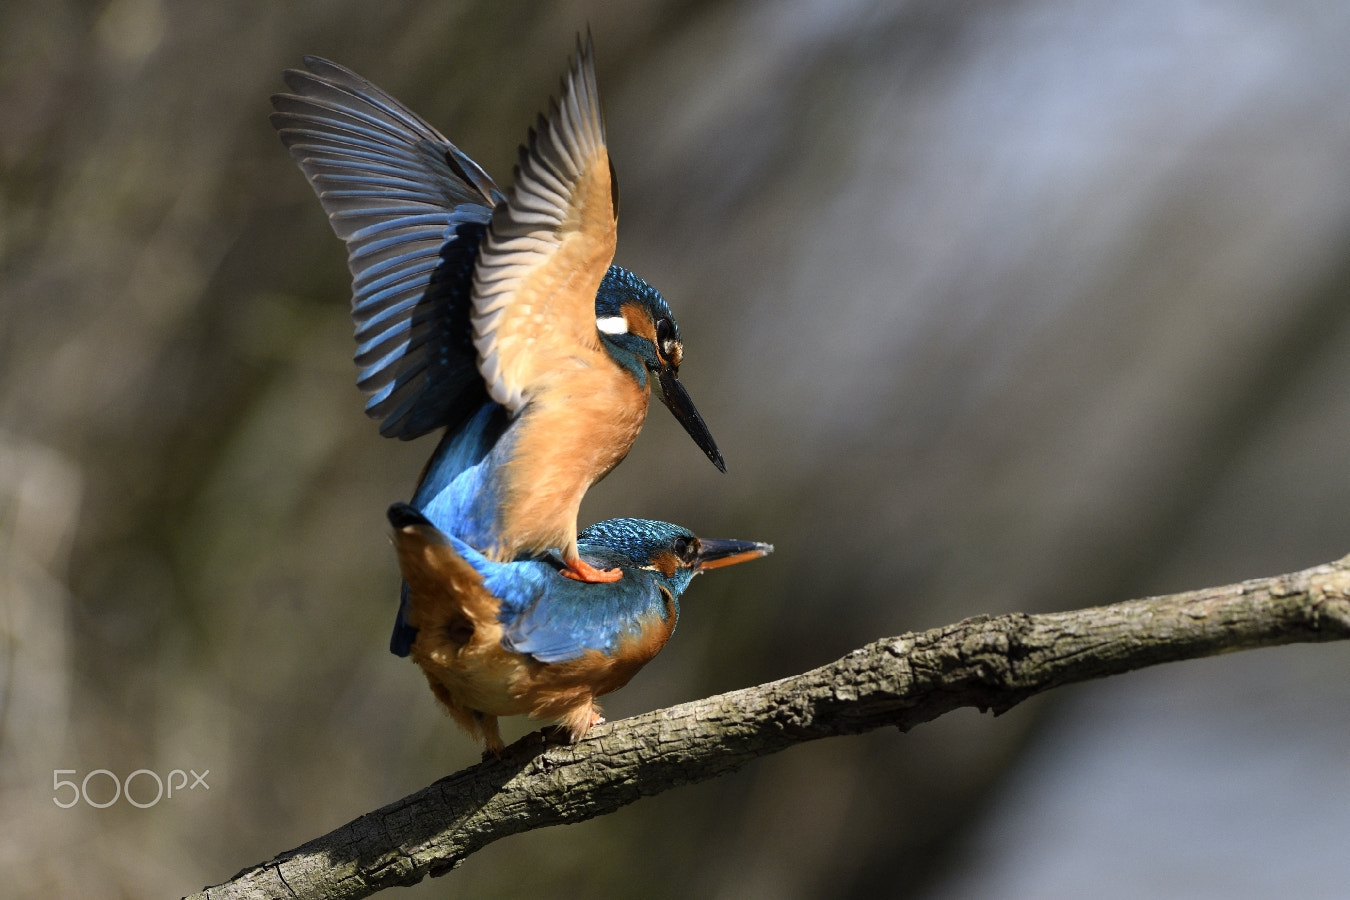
(686, 549)
(667, 344)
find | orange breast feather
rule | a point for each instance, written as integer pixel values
(569, 438)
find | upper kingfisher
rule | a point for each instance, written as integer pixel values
(466, 298)
(504, 639)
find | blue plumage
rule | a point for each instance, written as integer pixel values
(518, 638)
(458, 296)
(457, 494)
(412, 209)
(570, 617)
(555, 619)
(474, 313)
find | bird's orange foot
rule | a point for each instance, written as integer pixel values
(580, 570)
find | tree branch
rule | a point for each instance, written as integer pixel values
(988, 662)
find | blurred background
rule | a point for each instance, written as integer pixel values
(991, 306)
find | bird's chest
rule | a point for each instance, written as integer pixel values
(569, 437)
(587, 419)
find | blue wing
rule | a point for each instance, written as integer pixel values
(565, 618)
(459, 451)
(549, 617)
(456, 494)
(412, 209)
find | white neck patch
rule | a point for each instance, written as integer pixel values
(612, 324)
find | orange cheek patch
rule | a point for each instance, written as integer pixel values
(639, 322)
(666, 563)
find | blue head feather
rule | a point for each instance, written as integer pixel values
(637, 544)
(636, 353)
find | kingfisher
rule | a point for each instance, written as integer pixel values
(516, 638)
(470, 302)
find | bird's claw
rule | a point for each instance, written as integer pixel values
(580, 570)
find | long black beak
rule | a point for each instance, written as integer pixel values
(714, 553)
(676, 399)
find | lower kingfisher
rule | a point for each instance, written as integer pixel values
(504, 639)
(465, 296)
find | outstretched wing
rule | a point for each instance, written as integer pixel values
(547, 246)
(412, 209)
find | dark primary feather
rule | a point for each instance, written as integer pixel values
(412, 209)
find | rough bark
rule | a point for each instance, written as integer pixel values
(988, 662)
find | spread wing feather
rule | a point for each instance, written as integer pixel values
(412, 209)
(547, 246)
